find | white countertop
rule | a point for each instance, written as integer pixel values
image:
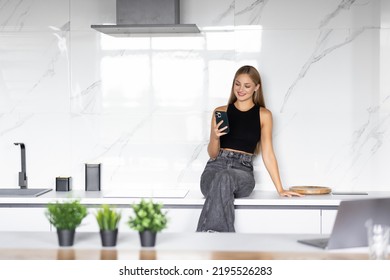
(184, 198)
(165, 241)
(199, 241)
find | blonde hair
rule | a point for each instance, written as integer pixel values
(258, 97)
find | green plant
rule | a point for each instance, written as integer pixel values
(107, 218)
(148, 216)
(66, 215)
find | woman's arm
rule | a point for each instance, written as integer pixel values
(215, 133)
(268, 154)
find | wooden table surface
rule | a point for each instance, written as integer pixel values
(152, 254)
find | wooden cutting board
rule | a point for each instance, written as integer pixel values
(310, 189)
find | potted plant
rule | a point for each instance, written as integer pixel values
(108, 221)
(66, 217)
(148, 220)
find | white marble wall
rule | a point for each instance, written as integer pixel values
(142, 105)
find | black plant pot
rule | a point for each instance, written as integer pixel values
(148, 238)
(108, 237)
(66, 237)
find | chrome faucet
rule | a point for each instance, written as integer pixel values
(23, 174)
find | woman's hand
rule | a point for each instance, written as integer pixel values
(289, 193)
(219, 132)
(215, 133)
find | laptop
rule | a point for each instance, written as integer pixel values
(349, 228)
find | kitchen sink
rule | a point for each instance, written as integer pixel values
(22, 192)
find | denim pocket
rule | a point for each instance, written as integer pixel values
(247, 164)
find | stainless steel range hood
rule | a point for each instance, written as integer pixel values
(146, 17)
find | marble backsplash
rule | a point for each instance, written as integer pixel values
(142, 105)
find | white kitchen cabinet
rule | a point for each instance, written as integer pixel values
(327, 220)
(183, 220)
(23, 219)
(247, 220)
(278, 221)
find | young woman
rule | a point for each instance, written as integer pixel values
(229, 172)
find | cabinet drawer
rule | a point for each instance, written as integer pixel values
(278, 221)
(23, 219)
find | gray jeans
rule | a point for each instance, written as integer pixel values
(228, 176)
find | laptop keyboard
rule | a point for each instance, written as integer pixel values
(320, 242)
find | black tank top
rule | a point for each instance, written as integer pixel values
(245, 131)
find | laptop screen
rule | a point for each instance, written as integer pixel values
(349, 229)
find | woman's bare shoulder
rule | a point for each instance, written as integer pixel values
(221, 108)
(265, 113)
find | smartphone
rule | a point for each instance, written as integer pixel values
(222, 116)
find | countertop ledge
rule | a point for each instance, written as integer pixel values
(192, 199)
